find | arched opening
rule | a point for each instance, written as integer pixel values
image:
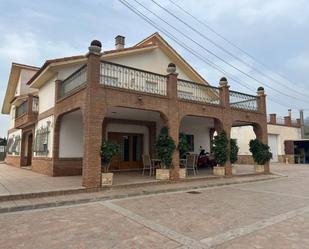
(26, 148)
(199, 133)
(135, 131)
(243, 133)
(68, 144)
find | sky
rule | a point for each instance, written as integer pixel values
(276, 33)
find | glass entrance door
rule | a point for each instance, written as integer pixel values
(131, 149)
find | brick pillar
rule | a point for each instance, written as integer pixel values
(173, 116)
(57, 90)
(30, 103)
(226, 122)
(298, 121)
(261, 100)
(261, 128)
(93, 118)
(260, 131)
(287, 121)
(273, 118)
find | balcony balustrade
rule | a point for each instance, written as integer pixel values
(27, 112)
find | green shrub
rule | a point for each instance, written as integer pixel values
(165, 147)
(183, 146)
(220, 148)
(234, 150)
(260, 152)
(108, 150)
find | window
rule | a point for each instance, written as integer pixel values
(15, 145)
(41, 142)
(190, 141)
(9, 145)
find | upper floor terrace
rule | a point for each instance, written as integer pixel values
(26, 111)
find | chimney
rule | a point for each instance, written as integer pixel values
(119, 41)
(290, 112)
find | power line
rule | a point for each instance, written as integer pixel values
(223, 60)
(235, 46)
(172, 37)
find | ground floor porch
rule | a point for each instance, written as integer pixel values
(15, 181)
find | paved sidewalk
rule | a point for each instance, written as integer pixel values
(19, 181)
(124, 192)
(265, 214)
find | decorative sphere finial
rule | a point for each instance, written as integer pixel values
(95, 46)
(223, 81)
(171, 68)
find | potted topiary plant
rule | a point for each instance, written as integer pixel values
(183, 147)
(220, 152)
(108, 150)
(261, 154)
(233, 154)
(165, 147)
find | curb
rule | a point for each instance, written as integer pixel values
(125, 195)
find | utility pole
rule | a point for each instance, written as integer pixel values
(302, 124)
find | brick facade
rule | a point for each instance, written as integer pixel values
(94, 99)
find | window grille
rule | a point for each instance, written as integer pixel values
(9, 145)
(15, 146)
(41, 142)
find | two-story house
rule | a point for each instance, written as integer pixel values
(70, 105)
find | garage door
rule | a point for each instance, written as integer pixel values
(273, 144)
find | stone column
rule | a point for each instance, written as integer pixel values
(226, 124)
(173, 116)
(93, 118)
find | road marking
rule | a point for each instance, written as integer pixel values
(171, 234)
(238, 232)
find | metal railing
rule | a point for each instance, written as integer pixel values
(35, 104)
(198, 92)
(280, 120)
(120, 76)
(243, 101)
(74, 81)
(21, 109)
(294, 122)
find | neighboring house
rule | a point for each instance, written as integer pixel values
(63, 111)
(280, 131)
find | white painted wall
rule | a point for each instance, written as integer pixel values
(24, 77)
(285, 133)
(43, 123)
(245, 133)
(63, 73)
(199, 128)
(71, 135)
(12, 117)
(155, 61)
(47, 96)
(126, 128)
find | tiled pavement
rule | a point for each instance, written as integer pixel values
(264, 214)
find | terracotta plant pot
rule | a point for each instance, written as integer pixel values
(219, 171)
(182, 173)
(259, 168)
(162, 174)
(107, 179)
(234, 170)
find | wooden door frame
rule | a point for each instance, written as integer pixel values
(130, 134)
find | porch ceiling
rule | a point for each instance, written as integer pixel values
(132, 114)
